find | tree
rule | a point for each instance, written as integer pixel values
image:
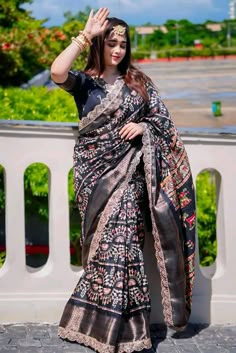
(18, 31)
(11, 12)
(27, 47)
(157, 40)
(80, 16)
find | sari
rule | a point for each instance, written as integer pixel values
(123, 188)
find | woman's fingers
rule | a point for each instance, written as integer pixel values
(104, 26)
(97, 22)
(125, 127)
(125, 130)
(132, 135)
(130, 130)
(101, 14)
(90, 15)
(97, 13)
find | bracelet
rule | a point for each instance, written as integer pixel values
(88, 40)
(80, 42)
(77, 44)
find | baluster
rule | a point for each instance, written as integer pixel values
(15, 219)
(59, 254)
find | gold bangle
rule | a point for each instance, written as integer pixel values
(79, 42)
(86, 38)
(82, 40)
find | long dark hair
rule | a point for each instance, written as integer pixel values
(134, 78)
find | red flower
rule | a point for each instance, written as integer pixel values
(62, 37)
(6, 46)
(58, 34)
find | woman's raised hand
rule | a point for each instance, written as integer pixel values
(96, 24)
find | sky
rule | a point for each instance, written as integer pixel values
(135, 12)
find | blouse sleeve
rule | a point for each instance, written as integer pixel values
(73, 83)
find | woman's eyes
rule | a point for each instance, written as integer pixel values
(112, 45)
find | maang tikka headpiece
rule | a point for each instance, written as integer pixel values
(119, 30)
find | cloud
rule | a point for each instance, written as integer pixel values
(157, 7)
(45, 9)
(135, 11)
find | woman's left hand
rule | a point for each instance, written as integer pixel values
(130, 131)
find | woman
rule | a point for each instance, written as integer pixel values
(130, 172)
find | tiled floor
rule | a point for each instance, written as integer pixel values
(35, 338)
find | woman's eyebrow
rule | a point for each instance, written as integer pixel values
(116, 41)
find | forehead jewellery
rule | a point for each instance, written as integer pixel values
(119, 30)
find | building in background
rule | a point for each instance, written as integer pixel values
(214, 27)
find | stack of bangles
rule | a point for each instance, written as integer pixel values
(82, 41)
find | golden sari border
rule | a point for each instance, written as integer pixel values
(84, 339)
(165, 292)
(135, 346)
(100, 347)
(112, 101)
(111, 204)
(69, 332)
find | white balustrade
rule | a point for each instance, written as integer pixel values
(39, 295)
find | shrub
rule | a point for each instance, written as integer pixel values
(37, 103)
(137, 55)
(206, 217)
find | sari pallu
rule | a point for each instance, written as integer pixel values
(114, 182)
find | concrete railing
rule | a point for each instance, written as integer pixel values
(39, 295)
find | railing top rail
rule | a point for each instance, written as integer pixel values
(224, 131)
(38, 124)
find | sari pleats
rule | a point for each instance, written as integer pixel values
(110, 306)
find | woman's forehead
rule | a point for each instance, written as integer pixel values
(117, 37)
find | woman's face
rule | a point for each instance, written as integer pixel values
(114, 49)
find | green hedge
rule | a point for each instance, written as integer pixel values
(206, 216)
(185, 53)
(37, 103)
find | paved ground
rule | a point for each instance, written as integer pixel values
(189, 88)
(31, 338)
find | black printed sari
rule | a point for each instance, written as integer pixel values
(123, 187)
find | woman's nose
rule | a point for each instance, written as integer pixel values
(117, 49)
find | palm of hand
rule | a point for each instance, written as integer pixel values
(97, 23)
(93, 27)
